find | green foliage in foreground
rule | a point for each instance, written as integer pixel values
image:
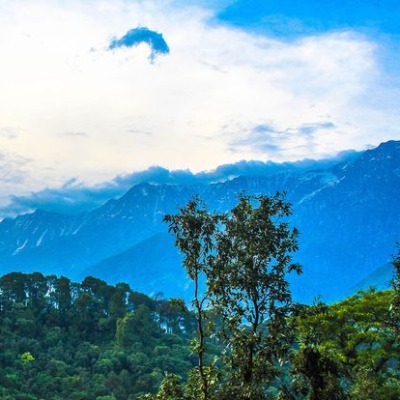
(274, 349)
(243, 256)
(346, 351)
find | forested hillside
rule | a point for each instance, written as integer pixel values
(62, 340)
(65, 340)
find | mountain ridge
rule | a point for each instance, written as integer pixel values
(346, 214)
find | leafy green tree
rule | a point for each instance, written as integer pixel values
(170, 389)
(173, 315)
(347, 349)
(62, 296)
(26, 358)
(12, 290)
(118, 300)
(316, 368)
(395, 305)
(36, 290)
(250, 290)
(137, 327)
(194, 230)
(242, 258)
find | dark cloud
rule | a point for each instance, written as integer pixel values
(139, 35)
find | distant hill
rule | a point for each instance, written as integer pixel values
(347, 214)
(379, 279)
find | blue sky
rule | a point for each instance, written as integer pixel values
(291, 17)
(94, 89)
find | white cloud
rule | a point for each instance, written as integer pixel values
(57, 76)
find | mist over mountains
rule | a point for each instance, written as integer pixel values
(74, 196)
(347, 210)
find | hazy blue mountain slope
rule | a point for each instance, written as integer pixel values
(350, 227)
(58, 243)
(146, 268)
(379, 278)
(348, 216)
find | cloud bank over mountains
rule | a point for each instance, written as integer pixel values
(74, 196)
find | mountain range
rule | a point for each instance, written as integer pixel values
(347, 213)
